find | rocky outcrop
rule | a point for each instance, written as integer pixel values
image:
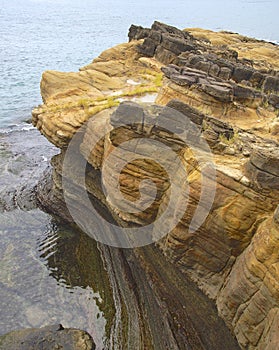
(164, 42)
(216, 73)
(47, 338)
(215, 96)
(71, 99)
(169, 45)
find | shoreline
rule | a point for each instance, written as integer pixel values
(222, 92)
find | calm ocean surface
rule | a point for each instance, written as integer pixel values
(36, 35)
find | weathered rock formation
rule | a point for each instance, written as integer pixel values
(47, 338)
(218, 94)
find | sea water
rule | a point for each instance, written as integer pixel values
(36, 35)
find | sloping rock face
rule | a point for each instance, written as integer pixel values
(216, 94)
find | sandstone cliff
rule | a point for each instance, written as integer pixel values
(225, 88)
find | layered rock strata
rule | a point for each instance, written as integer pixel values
(203, 75)
(217, 94)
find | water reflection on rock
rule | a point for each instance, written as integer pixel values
(48, 275)
(74, 260)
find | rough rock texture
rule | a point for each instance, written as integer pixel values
(47, 338)
(204, 75)
(70, 99)
(227, 99)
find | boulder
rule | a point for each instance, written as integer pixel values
(47, 338)
(155, 36)
(203, 66)
(184, 80)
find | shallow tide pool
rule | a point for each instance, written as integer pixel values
(42, 276)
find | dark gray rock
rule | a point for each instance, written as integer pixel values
(212, 64)
(176, 44)
(257, 79)
(271, 84)
(47, 338)
(155, 36)
(127, 113)
(219, 127)
(137, 32)
(171, 70)
(261, 178)
(203, 66)
(194, 115)
(221, 62)
(164, 42)
(263, 168)
(221, 93)
(184, 80)
(191, 71)
(242, 73)
(147, 48)
(243, 93)
(194, 60)
(165, 56)
(164, 28)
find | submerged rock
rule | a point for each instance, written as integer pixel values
(47, 338)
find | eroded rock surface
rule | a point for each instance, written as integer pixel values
(47, 338)
(222, 96)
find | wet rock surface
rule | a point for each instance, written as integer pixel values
(47, 338)
(25, 155)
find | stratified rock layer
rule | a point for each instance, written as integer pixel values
(227, 99)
